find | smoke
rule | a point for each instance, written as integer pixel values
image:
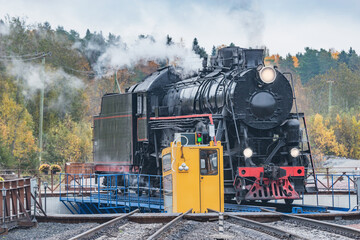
(4, 29)
(124, 55)
(249, 15)
(33, 77)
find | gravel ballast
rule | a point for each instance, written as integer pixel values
(307, 232)
(49, 231)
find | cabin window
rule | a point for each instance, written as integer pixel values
(208, 162)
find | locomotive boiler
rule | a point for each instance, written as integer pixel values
(266, 151)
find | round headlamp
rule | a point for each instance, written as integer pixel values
(267, 74)
(294, 152)
(247, 152)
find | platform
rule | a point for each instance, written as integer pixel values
(85, 195)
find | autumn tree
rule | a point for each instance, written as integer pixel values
(16, 134)
(347, 132)
(323, 138)
(69, 141)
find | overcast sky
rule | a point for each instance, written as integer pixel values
(284, 26)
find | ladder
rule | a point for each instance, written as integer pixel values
(228, 165)
(310, 178)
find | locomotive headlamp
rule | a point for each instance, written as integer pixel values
(294, 152)
(248, 152)
(267, 74)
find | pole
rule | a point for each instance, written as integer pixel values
(116, 83)
(330, 94)
(45, 187)
(45, 200)
(41, 112)
(4, 213)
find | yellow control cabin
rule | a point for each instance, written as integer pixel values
(193, 177)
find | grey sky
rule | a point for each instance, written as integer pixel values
(283, 26)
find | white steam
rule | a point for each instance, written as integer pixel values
(249, 16)
(127, 55)
(33, 77)
(4, 29)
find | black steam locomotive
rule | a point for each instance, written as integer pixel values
(249, 106)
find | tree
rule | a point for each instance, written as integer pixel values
(347, 131)
(169, 40)
(199, 50)
(323, 137)
(308, 64)
(16, 132)
(213, 51)
(68, 141)
(344, 89)
(287, 64)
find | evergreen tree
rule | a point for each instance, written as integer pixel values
(169, 41)
(308, 64)
(199, 50)
(213, 51)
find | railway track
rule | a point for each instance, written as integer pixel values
(262, 227)
(324, 226)
(266, 225)
(168, 225)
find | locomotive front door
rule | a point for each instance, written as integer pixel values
(209, 180)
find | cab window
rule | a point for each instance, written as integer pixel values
(208, 162)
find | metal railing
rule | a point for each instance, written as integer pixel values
(123, 192)
(111, 193)
(338, 186)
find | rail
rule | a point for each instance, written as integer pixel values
(326, 226)
(110, 223)
(262, 227)
(168, 225)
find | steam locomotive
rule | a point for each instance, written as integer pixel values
(246, 103)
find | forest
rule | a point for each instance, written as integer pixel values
(75, 72)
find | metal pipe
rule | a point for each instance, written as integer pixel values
(41, 111)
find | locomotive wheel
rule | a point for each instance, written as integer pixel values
(151, 193)
(289, 201)
(140, 193)
(238, 198)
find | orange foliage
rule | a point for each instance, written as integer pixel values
(296, 61)
(335, 55)
(271, 60)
